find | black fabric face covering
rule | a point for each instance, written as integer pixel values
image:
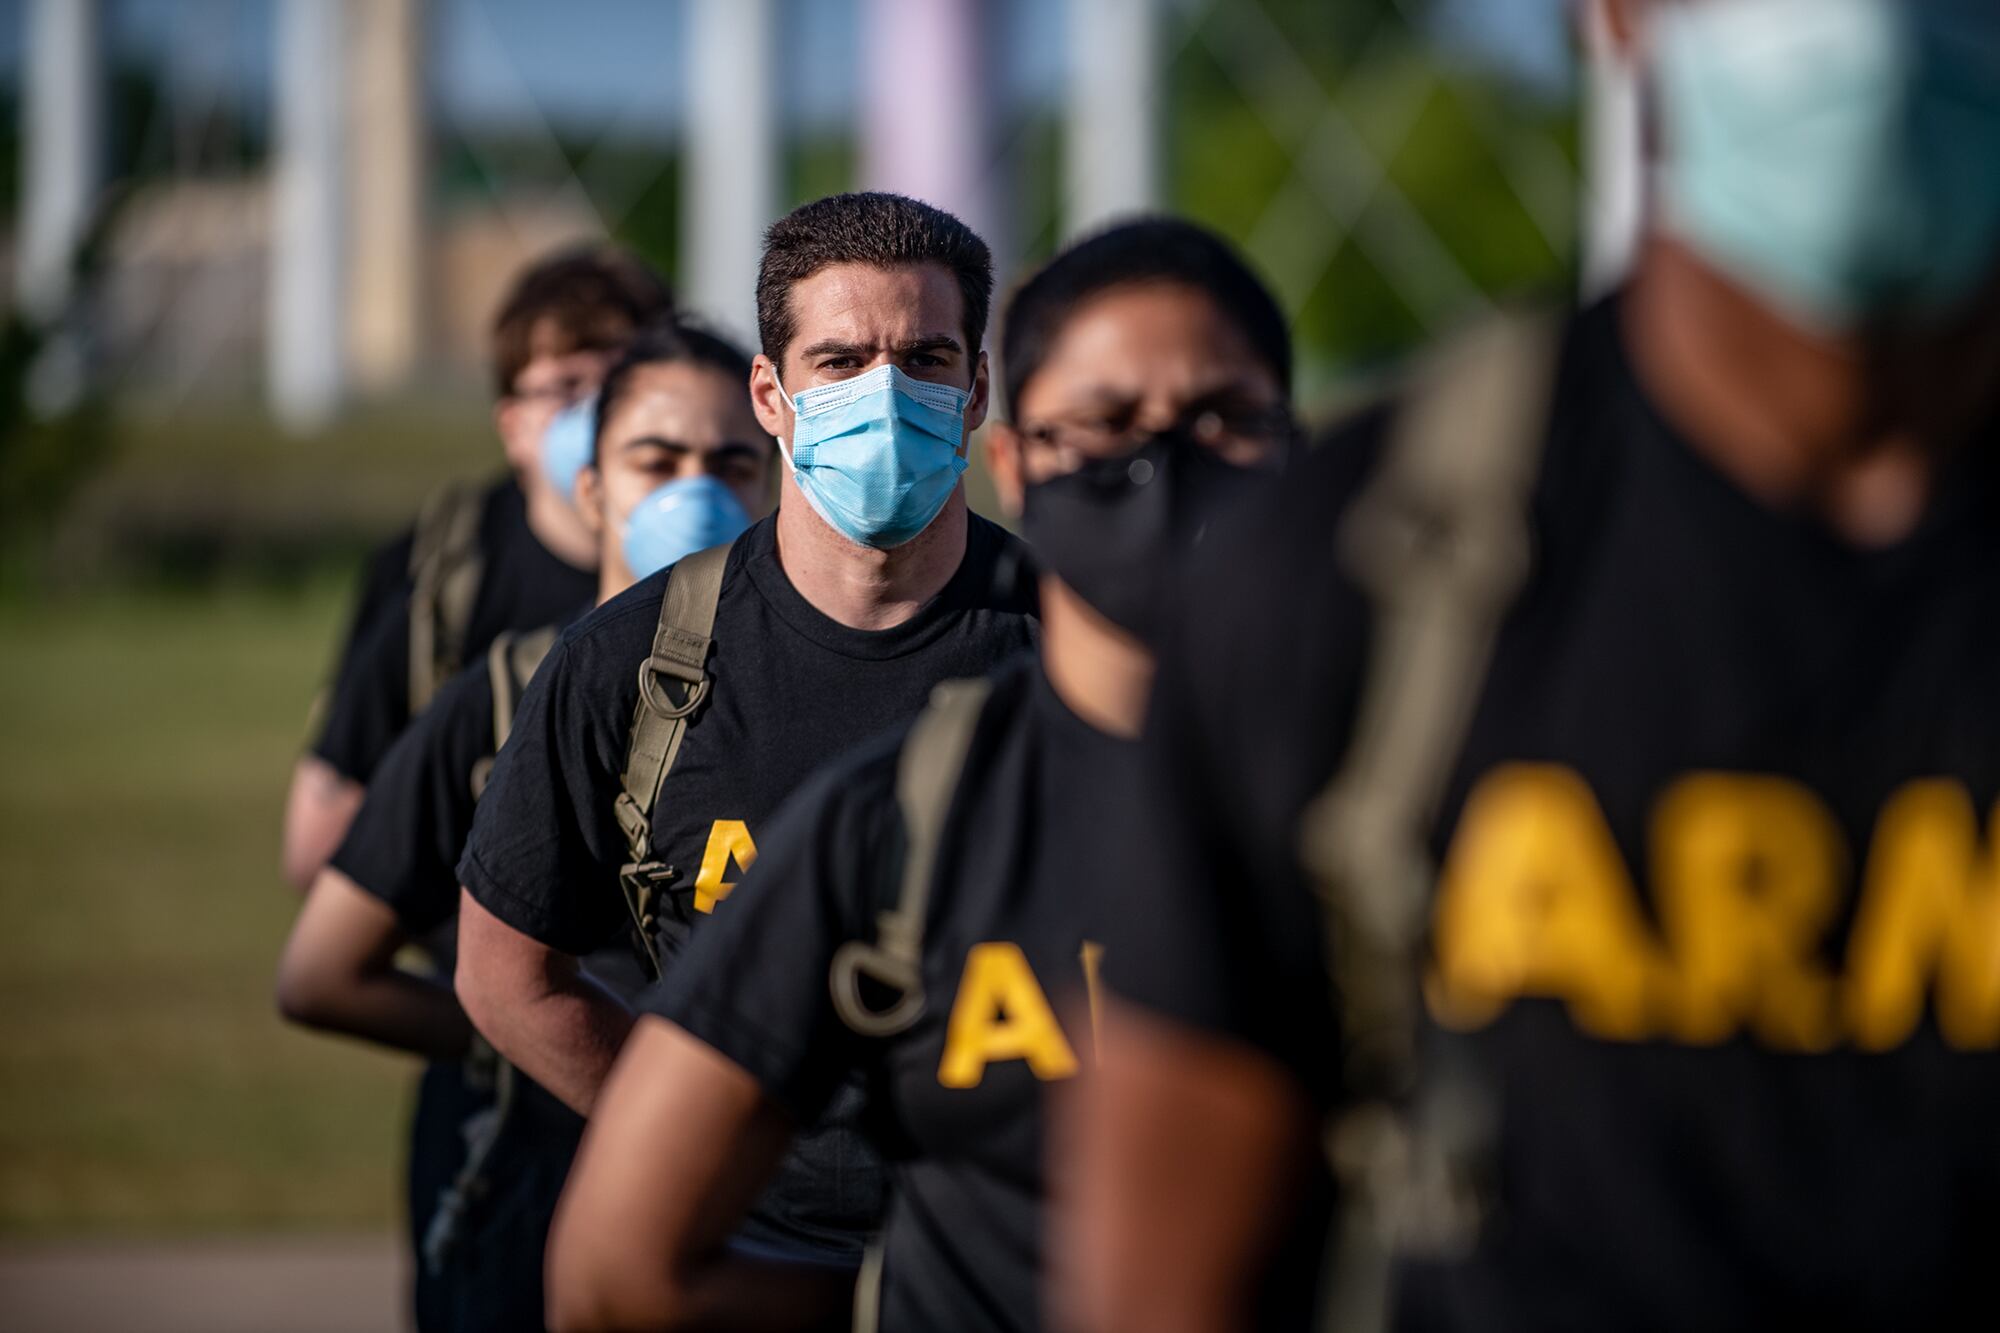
(1113, 528)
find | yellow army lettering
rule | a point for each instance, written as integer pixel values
(728, 839)
(1002, 1013)
(1534, 900)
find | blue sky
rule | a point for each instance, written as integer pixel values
(599, 62)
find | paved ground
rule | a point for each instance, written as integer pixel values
(308, 1285)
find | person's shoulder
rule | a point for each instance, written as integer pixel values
(463, 705)
(1006, 568)
(619, 625)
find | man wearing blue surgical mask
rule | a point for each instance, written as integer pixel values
(1561, 891)
(827, 623)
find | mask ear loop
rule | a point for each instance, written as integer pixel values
(784, 449)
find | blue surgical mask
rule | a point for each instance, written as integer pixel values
(877, 456)
(677, 520)
(1840, 158)
(567, 445)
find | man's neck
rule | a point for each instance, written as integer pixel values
(1101, 673)
(858, 586)
(558, 527)
(1785, 414)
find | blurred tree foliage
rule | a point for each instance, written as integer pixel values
(1383, 190)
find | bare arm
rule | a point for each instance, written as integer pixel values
(537, 1007)
(1182, 1156)
(339, 973)
(638, 1240)
(318, 809)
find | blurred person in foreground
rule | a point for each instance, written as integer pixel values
(482, 558)
(666, 727)
(678, 463)
(1612, 723)
(1148, 373)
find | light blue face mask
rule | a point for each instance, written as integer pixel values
(1841, 158)
(680, 518)
(877, 456)
(567, 444)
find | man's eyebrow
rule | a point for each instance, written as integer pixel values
(830, 347)
(934, 342)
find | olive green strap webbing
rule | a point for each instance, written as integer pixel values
(1440, 541)
(680, 651)
(511, 663)
(868, 1290)
(927, 775)
(445, 568)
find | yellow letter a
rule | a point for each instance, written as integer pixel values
(1001, 1014)
(728, 838)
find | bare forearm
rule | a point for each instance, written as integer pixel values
(729, 1292)
(409, 1013)
(565, 1036)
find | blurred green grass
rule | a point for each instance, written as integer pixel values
(146, 1085)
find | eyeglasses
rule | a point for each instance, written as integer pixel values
(1245, 436)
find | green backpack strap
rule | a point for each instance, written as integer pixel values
(511, 662)
(446, 565)
(1440, 541)
(660, 720)
(927, 774)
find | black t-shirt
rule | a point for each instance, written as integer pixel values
(523, 586)
(955, 1102)
(791, 690)
(404, 843)
(1715, 921)
(385, 579)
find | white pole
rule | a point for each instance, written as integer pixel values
(730, 187)
(1614, 190)
(64, 129)
(304, 343)
(385, 168)
(1111, 163)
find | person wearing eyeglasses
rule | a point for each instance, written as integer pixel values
(920, 919)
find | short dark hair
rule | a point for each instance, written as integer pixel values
(590, 298)
(669, 342)
(884, 230)
(1146, 250)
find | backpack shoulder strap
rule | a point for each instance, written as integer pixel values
(1440, 541)
(927, 775)
(680, 651)
(511, 663)
(445, 568)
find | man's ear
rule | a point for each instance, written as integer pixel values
(1003, 463)
(590, 499)
(768, 398)
(975, 408)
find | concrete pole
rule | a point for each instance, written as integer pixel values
(927, 89)
(304, 341)
(63, 132)
(386, 171)
(1614, 193)
(1111, 144)
(730, 184)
